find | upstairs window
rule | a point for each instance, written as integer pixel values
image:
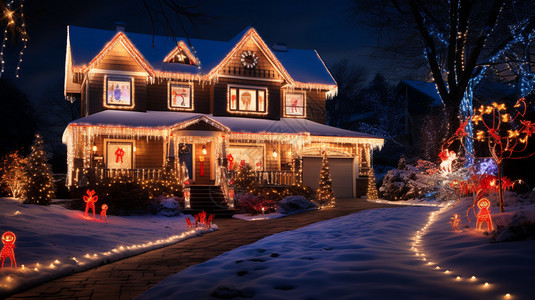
(295, 104)
(180, 96)
(180, 58)
(119, 92)
(247, 100)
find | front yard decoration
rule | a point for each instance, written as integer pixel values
(447, 157)
(12, 173)
(188, 223)
(483, 216)
(8, 239)
(504, 132)
(90, 200)
(325, 191)
(103, 215)
(455, 220)
(39, 185)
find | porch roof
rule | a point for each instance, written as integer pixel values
(167, 119)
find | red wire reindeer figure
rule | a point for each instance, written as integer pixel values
(8, 239)
(103, 215)
(90, 200)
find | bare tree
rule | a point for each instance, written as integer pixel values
(453, 41)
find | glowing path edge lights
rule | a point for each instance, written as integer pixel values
(416, 247)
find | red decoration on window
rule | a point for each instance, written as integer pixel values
(483, 216)
(119, 153)
(103, 215)
(230, 159)
(8, 251)
(242, 163)
(90, 200)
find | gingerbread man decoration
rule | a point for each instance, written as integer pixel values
(8, 239)
(483, 216)
(90, 200)
(103, 215)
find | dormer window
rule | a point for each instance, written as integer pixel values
(180, 58)
(247, 99)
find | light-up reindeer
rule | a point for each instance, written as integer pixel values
(8, 239)
(103, 215)
(447, 158)
(90, 200)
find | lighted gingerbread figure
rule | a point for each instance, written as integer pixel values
(447, 158)
(483, 216)
(90, 200)
(455, 220)
(119, 153)
(8, 251)
(103, 215)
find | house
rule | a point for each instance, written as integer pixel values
(207, 107)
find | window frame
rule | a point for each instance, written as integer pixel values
(286, 94)
(170, 85)
(124, 79)
(258, 91)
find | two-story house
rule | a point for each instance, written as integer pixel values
(209, 107)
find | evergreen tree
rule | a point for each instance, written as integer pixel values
(39, 188)
(325, 191)
(245, 178)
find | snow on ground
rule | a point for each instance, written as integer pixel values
(248, 217)
(53, 241)
(372, 254)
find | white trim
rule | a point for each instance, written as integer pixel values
(117, 72)
(251, 78)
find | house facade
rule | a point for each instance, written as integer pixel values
(207, 108)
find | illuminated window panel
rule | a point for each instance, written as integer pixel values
(294, 105)
(247, 100)
(119, 93)
(180, 96)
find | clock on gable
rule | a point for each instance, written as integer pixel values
(249, 59)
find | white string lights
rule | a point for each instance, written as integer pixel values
(16, 23)
(416, 247)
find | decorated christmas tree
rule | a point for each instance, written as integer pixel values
(325, 191)
(372, 186)
(245, 178)
(39, 188)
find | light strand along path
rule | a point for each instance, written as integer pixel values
(130, 277)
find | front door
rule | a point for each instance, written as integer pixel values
(202, 163)
(185, 155)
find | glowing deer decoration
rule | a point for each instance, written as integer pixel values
(103, 215)
(447, 158)
(90, 200)
(8, 239)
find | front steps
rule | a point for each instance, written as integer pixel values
(210, 199)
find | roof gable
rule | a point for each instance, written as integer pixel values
(251, 35)
(181, 48)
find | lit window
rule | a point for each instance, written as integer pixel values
(294, 104)
(247, 100)
(180, 96)
(118, 92)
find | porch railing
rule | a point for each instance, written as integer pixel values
(270, 177)
(135, 174)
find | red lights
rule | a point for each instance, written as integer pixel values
(90, 200)
(103, 216)
(483, 216)
(8, 239)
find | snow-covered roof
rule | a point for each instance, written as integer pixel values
(427, 88)
(86, 43)
(164, 119)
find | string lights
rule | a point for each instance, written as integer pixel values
(16, 23)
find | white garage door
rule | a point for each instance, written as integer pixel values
(341, 174)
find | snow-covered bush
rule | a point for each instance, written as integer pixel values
(253, 205)
(402, 184)
(167, 206)
(294, 203)
(515, 227)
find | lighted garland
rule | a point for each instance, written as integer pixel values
(16, 23)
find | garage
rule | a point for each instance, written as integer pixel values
(342, 174)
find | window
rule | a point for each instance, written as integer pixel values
(180, 96)
(119, 92)
(294, 105)
(119, 154)
(246, 99)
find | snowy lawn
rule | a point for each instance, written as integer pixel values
(368, 255)
(53, 241)
(259, 217)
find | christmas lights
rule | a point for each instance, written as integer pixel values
(103, 215)
(90, 200)
(483, 216)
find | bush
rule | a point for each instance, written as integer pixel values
(167, 206)
(253, 205)
(293, 204)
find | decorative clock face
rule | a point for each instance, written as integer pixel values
(249, 59)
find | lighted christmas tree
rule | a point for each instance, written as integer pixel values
(325, 193)
(39, 188)
(372, 186)
(245, 178)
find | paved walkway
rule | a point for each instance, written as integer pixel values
(130, 277)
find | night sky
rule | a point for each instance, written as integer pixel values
(330, 28)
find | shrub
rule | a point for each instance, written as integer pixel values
(293, 204)
(253, 205)
(167, 206)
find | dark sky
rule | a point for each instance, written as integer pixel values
(330, 27)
